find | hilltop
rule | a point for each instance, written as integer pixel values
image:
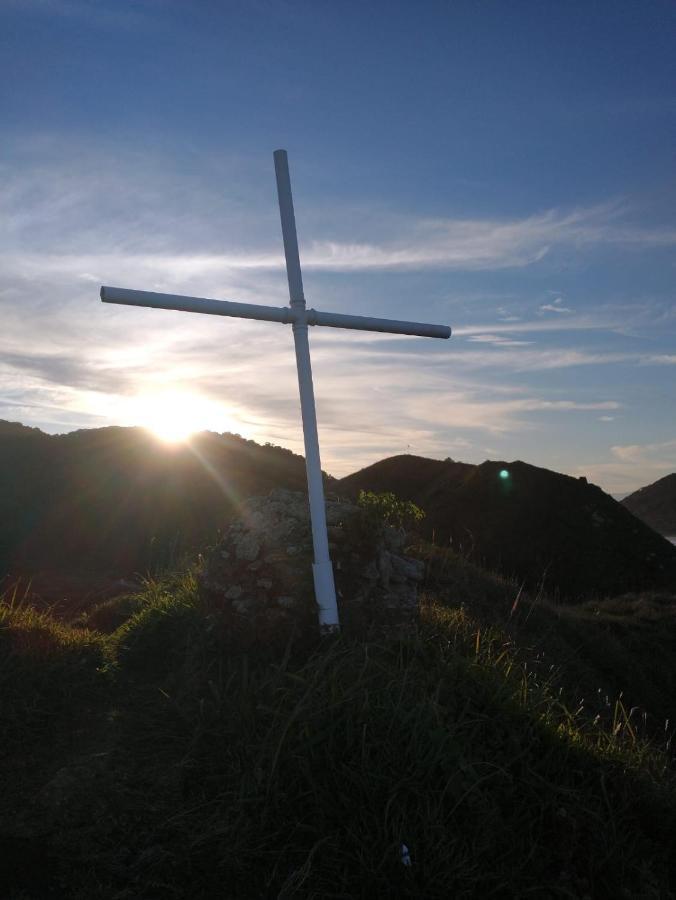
(655, 504)
(528, 522)
(80, 511)
(117, 500)
(16, 429)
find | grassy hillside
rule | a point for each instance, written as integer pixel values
(611, 655)
(148, 755)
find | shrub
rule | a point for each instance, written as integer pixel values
(388, 509)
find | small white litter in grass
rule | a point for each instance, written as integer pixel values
(405, 856)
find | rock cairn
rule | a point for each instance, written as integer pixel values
(260, 571)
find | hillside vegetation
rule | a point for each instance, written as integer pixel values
(148, 755)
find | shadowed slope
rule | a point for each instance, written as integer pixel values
(655, 504)
(118, 500)
(531, 523)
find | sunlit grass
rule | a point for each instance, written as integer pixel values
(48, 670)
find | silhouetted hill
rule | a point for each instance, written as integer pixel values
(118, 500)
(531, 524)
(655, 504)
(115, 501)
(16, 429)
(414, 475)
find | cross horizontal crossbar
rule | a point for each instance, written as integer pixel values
(285, 315)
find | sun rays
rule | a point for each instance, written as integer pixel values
(173, 416)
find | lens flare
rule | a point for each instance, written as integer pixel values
(173, 416)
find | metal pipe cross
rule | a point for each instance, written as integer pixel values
(299, 317)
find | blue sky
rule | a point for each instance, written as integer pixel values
(503, 167)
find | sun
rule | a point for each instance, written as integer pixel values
(174, 416)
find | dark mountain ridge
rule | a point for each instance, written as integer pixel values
(16, 429)
(117, 500)
(529, 522)
(655, 504)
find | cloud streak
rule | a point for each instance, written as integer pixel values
(98, 212)
(632, 466)
(68, 361)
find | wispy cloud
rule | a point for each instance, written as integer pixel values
(662, 454)
(97, 211)
(68, 361)
(517, 359)
(465, 245)
(661, 359)
(632, 466)
(556, 306)
(475, 244)
(497, 339)
(596, 322)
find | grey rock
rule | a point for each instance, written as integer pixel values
(339, 512)
(247, 547)
(394, 539)
(406, 568)
(269, 548)
(244, 607)
(402, 596)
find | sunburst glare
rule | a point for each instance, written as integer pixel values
(173, 416)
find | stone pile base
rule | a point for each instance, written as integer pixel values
(261, 570)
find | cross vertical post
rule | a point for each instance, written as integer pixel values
(322, 570)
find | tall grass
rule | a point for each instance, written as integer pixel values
(47, 671)
(606, 655)
(305, 775)
(303, 771)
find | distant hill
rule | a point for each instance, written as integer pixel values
(655, 504)
(117, 500)
(531, 523)
(16, 429)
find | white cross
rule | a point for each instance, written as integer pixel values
(299, 317)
